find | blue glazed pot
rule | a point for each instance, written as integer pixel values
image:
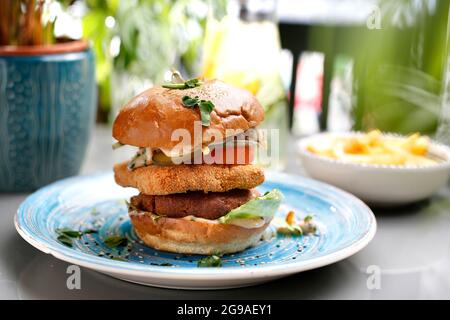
(47, 109)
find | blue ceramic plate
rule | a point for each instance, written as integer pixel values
(345, 226)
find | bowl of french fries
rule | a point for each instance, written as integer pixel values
(380, 168)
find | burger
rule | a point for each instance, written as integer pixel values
(196, 143)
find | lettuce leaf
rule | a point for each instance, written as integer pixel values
(260, 207)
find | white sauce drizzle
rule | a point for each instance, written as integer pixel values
(250, 223)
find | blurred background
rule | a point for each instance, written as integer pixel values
(314, 65)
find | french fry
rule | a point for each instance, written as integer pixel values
(374, 148)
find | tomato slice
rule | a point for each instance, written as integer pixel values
(219, 155)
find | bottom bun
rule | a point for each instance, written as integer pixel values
(193, 236)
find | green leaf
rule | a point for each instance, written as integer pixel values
(65, 240)
(118, 258)
(115, 241)
(65, 235)
(190, 102)
(210, 261)
(88, 231)
(206, 107)
(174, 86)
(293, 230)
(69, 232)
(192, 83)
(264, 206)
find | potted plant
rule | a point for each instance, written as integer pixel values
(47, 97)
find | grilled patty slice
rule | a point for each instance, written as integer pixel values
(211, 205)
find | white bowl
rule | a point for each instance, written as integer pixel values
(377, 184)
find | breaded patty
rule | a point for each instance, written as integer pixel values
(211, 205)
(162, 180)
